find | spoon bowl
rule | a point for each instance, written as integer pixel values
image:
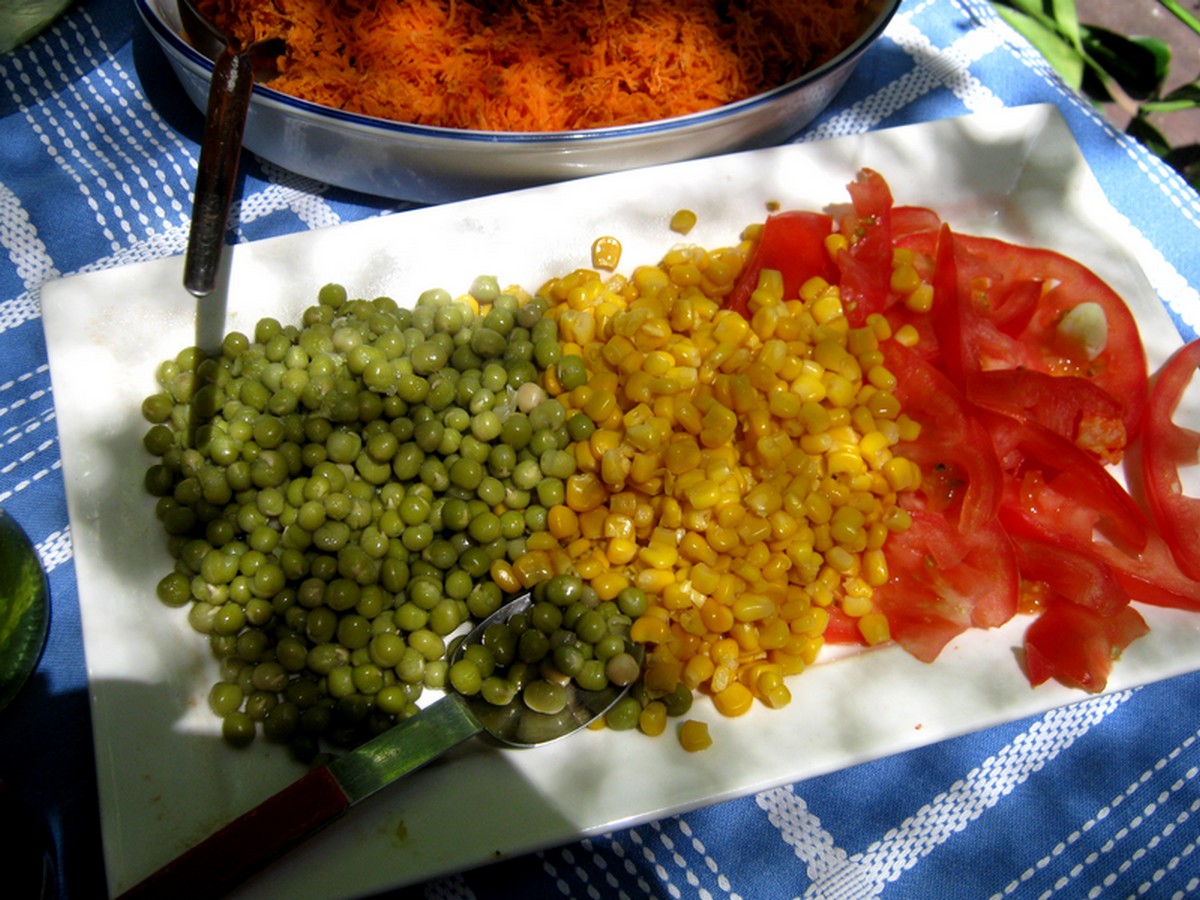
(286, 819)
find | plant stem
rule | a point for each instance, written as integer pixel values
(1176, 9)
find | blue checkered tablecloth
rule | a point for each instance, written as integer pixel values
(98, 154)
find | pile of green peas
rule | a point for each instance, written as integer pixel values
(334, 494)
(568, 637)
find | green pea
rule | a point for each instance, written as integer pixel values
(224, 698)
(238, 729)
(545, 697)
(624, 714)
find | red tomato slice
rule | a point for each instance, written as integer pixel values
(842, 629)
(908, 221)
(792, 243)
(1070, 574)
(1152, 576)
(1077, 645)
(954, 448)
(1055, 489)
(945, 581)
(1167, 447)
(866, 265)
(997, 273)
(1072, 407)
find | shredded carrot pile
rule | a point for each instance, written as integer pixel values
(540, 65)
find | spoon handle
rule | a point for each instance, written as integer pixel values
(281, 822)
(225, 122)
(248, 843)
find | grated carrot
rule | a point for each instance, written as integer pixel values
(540, 65)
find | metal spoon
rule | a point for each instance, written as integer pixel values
(235, 70)
(285, 820)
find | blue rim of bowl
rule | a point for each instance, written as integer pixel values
(147, 9)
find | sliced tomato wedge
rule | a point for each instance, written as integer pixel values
(1152, 576)
(1072, 407)
(866, 264)
(793, 244)
(1077, 645)
(997, 274)
(954, 449)
(1167, 447)
(1070, 574)
(1055, 489)
(945, 581)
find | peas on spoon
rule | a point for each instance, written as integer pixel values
(541, 707)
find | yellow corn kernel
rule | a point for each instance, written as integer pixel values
(724, 652)
(773, 634)
(905, 279)
(653, 718)
(753, 608)
(835, 244)
(600, 405)
(541, 540)
(875, 449)
(533, 567)
(811, 623)
(921, 298)
(770, 687)
(621, 551)
(683, 221)
(856, 607)
(875, 568)
(649, 629)
(734, 700)
(722, 677)
(697, 671)
(505, 578)
(694, 548)
(880, 325)
(716, 617)
(874, 628)
(901, 474)
(585, 491)
(618, 525)
(694, 736)
(591, 566)
(658, 556)
(705, 579)
(608, 584)
(654, 581)
(907, 336)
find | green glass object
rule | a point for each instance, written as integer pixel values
(24, 608)
(21, 20)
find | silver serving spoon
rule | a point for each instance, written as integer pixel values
(235, 70)
(286, 819)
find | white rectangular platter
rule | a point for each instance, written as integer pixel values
(166, 780)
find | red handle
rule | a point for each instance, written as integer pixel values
(249, 842)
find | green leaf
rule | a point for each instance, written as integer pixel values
(1139, 64)
(1181, 13)
(1033, 8)
(1148, 136)
(1066, 19)
(1065, 59)
(1189, 93)
(1186, 161)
